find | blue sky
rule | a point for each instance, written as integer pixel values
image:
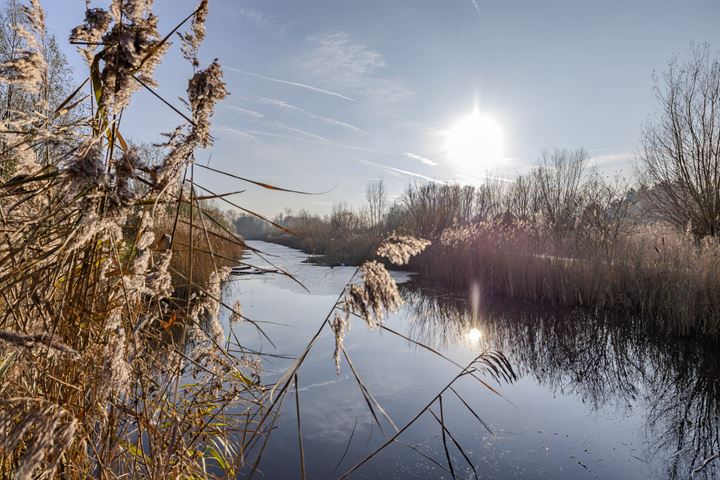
(334, 94)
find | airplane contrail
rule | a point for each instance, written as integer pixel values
(424, 160)
(292, 108)
(477, 7)
(242, 133)
(404, 172)
(250, 113)
(294, 84)
(318, 140)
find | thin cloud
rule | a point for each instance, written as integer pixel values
(294, 84)
(240, 133)
(403, 172)
(338, 62)
(254, 16)
(245, 111)
(424, 160)
(477, 7)
(292, 108)
(262, 21)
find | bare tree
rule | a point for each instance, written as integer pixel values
(680, 159)
(489, 198)
(466, 203)
(521, 199)
(559, 181)
(605, 216)
(376, 197)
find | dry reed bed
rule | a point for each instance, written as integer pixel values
(113, 362)
(213, 246)
(96, 345)
(671, 280)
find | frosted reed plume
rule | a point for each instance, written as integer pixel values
(45, 430)
(28, 69)
(236, 313)
(103, 315)
(191, 40)
(89, 34)
(205, 90)
(339, 325)
(131, 49)
(400, 248)
(377, 293)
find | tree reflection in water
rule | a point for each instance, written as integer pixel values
(609, 363)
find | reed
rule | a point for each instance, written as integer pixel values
(102, 326)
(113, 362)
(668, 279)
(214, 245)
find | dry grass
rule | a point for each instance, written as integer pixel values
(671, 280)
(214, 245)
(113, 362)
(96, 345)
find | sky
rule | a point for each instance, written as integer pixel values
(327, 96)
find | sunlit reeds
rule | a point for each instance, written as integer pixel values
(102, 325)
(669, 279)
(113, 362)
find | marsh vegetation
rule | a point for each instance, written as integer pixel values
(126, 349)
(113, 362)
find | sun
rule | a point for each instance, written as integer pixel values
(475, 143)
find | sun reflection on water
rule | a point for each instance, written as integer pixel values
(474, 335)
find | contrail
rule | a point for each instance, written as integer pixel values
(250, 113)
(477, 8)
(292, 108)
(256, 117)
(404, 172)
(242, 133)
(294, 84)
(424, 160)
(318, 140)
(303, 132)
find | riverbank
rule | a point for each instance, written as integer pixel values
(669, 280)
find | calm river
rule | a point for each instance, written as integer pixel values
(594, 399)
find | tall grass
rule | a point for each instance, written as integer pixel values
(669, 279)
(214, 244)
(102, 326)
(113, 362)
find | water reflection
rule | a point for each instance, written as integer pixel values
(474, 335)
(609, 363)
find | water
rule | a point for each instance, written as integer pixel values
(595, 398)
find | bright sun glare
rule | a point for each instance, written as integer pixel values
(475, 143)
(474, 335)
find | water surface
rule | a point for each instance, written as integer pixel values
(595, 398)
